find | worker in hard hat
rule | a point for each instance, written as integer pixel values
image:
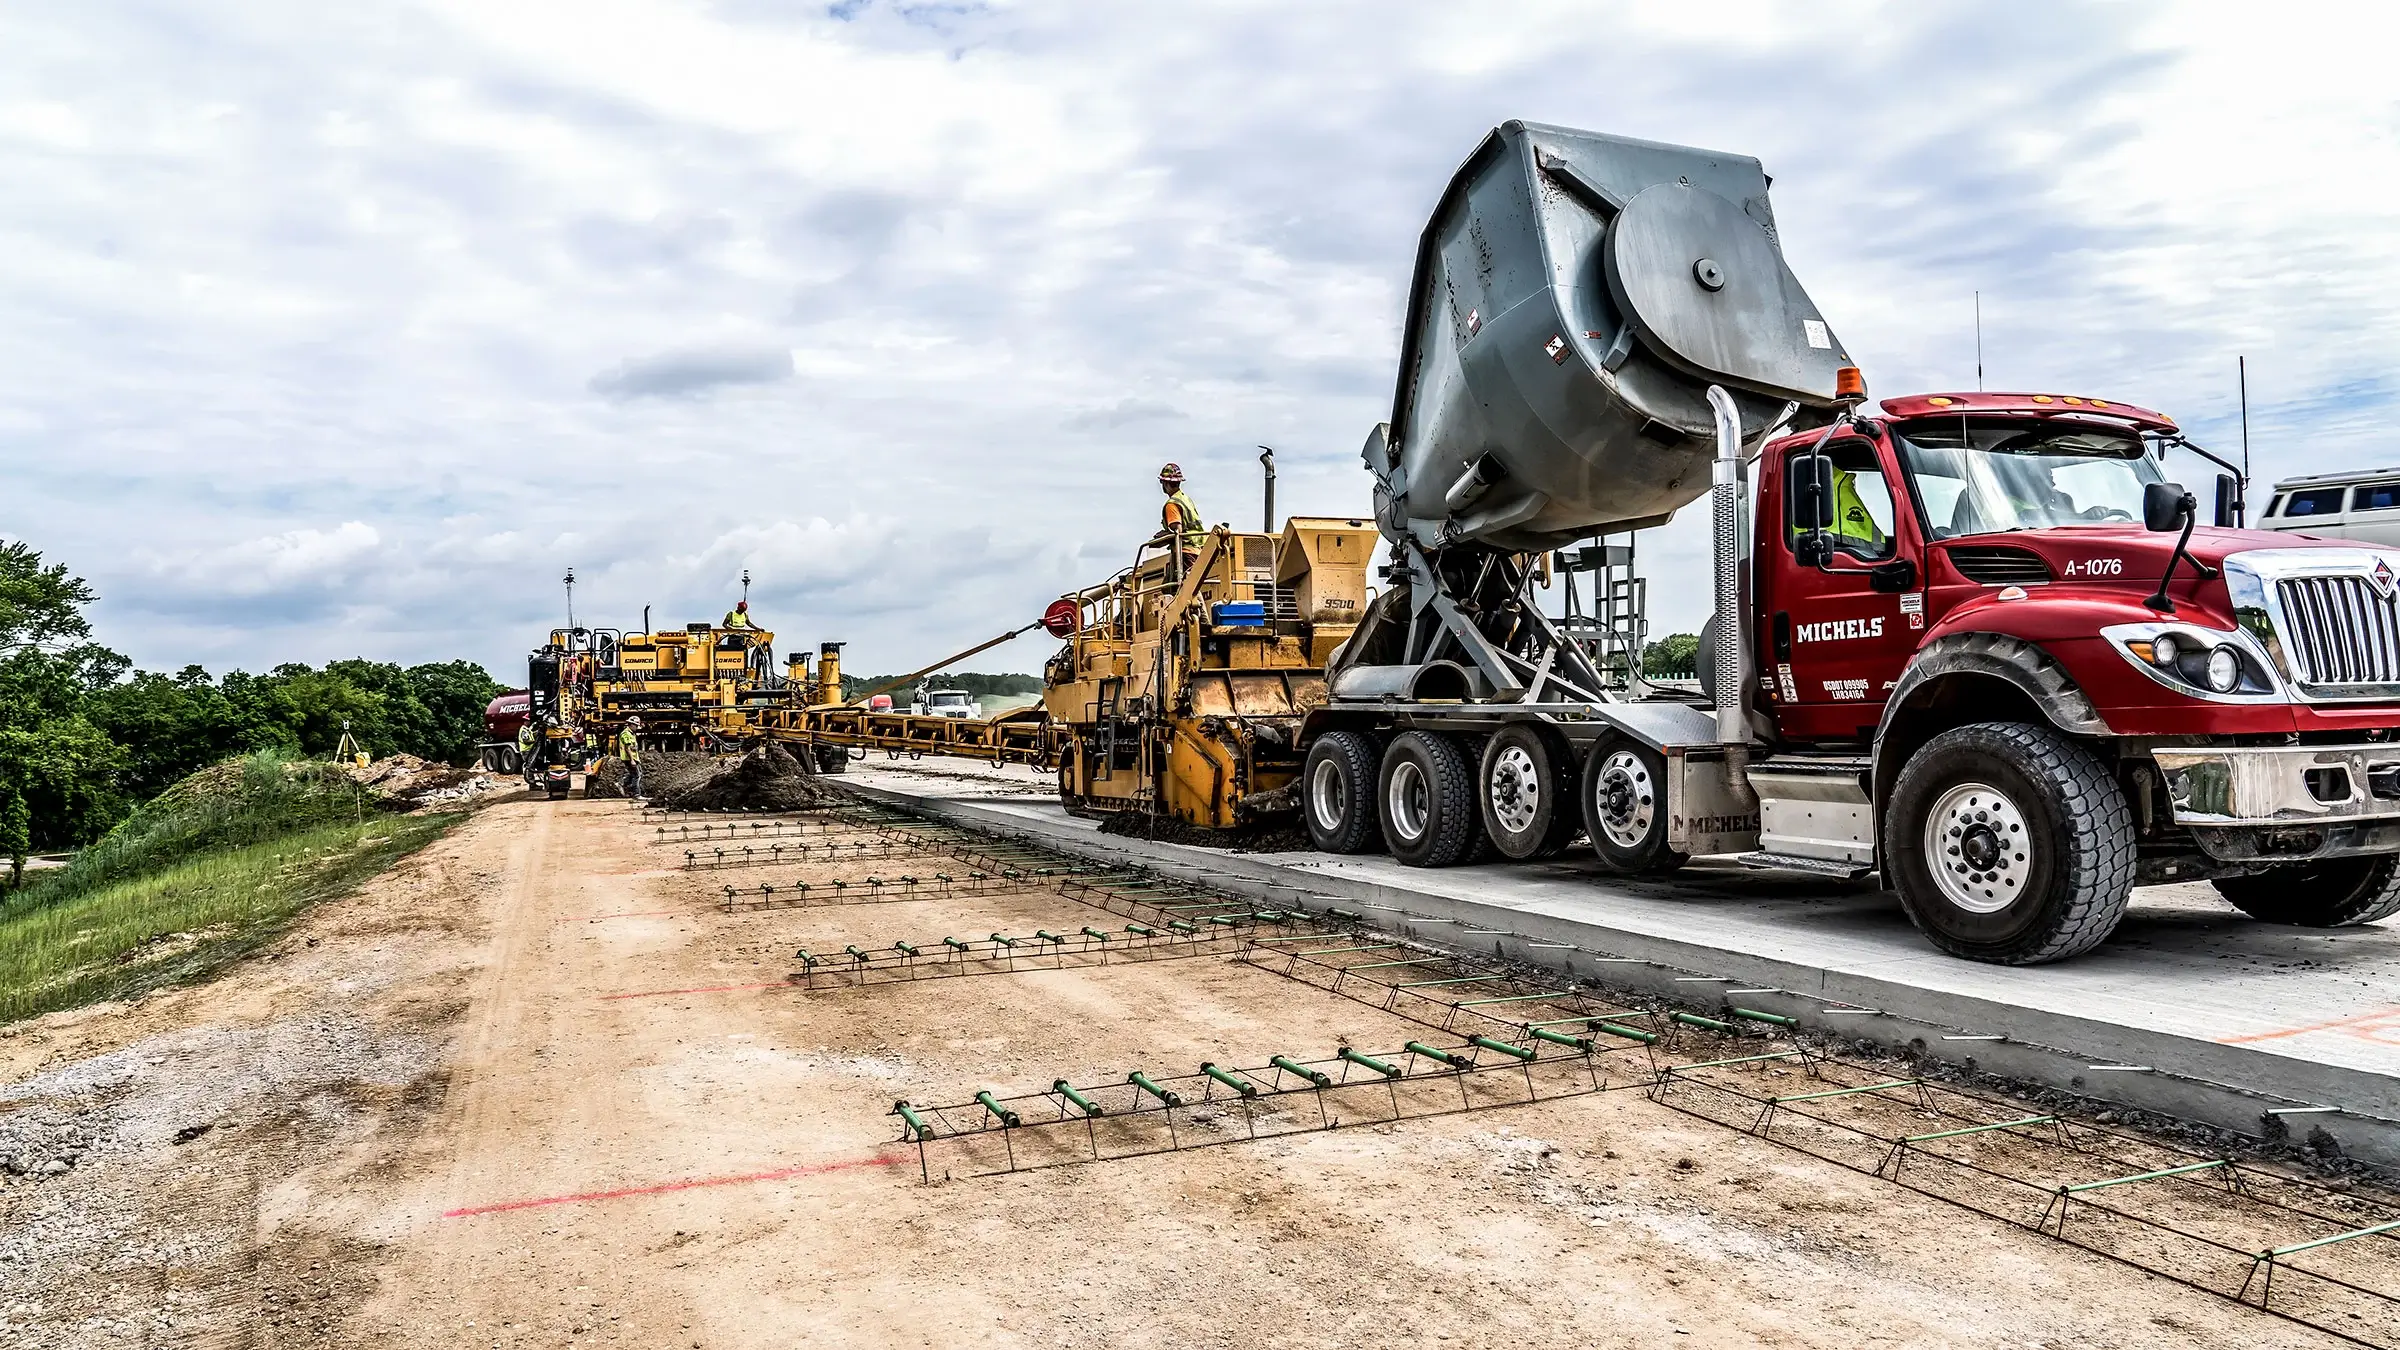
(525, 744)
(738, 616)
(1179, 517)
(629, 749)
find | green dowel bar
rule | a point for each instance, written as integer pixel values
(855, 953)
(1369, 1062)
(1844, 1092)
(1047, 936)
(1181, 927)
(1512, 1051)
(2273, 1253)
(904, 949)
(1139, 931)
(1978, 1129)
(1246, 1089)
(1777, 1019)
(1386, 965)
(1704, 1023)
(2081, 1187)
(1351, 914)
(1271, 916)
(807, 960)
(1629, 1033)
(1336, 951)
(1456, 979)
(915, 1125)
(1228, 920)
(1002, 941)
(1142, 1080)
(1008, 1119)
(1555, 1038)
(955, 943)
(1437, 1056)
(1290, 1065)
(1067, 1090)
(1091, 932)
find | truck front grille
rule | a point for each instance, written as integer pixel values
(2341, 630)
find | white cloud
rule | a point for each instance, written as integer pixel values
(378, 320)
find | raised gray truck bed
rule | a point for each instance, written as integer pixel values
(2196, 1010)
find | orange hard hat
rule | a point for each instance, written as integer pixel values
(1172, 473)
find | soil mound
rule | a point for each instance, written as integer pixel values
(405, 782)
(769, 778)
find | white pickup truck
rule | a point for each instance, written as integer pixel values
(932, 702)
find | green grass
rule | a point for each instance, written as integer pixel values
(198, 895)
(241, 801)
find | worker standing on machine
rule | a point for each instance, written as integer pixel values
(738, 616)
(629, 748)
(1179, 519)
(525, 744)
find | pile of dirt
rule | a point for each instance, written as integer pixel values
(769, 778)
(606, 778)
(1284, 834)
(405, 782)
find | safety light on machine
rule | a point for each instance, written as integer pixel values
(1849, 385)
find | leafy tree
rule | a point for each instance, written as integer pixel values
(454, 695)
(1673, 657)
(40, 607)
(56, 787)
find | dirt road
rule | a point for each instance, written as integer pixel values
(534, 1089)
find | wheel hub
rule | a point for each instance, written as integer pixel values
(1978, 849)
(1627, 799)
(1325, 795)
(1409, 802)
(1515, 790)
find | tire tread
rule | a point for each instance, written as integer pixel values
(2100, 854)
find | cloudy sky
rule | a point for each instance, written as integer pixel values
(346, 329)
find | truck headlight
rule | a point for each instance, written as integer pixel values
(2224, 671)
(2196, 661)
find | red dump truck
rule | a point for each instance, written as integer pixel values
(1978, 644)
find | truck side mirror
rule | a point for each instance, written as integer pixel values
(2163, 506)
(2229, 502)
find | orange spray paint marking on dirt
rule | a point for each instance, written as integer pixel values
(667, 1187)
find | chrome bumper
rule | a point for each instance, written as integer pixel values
(2284, 785)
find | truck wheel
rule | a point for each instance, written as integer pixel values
(1337, 793)
(2326, 893)
(2010, 843)
(1427, 790)
(1528, 796)
(1625, 807)
(832, 759)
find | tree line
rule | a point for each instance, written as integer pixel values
(85, 737)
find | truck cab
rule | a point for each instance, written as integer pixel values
(2044, 691)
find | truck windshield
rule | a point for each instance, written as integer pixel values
(1991, 477)
(949, 700)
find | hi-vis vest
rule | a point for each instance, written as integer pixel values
(629, 747)
(1181, 513)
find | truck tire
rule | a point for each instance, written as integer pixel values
(2010, 843)
(832, 759)
(1337, 793)
(1427, 792)
(2325, 893)
(1528, 793)
(1625, 807)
